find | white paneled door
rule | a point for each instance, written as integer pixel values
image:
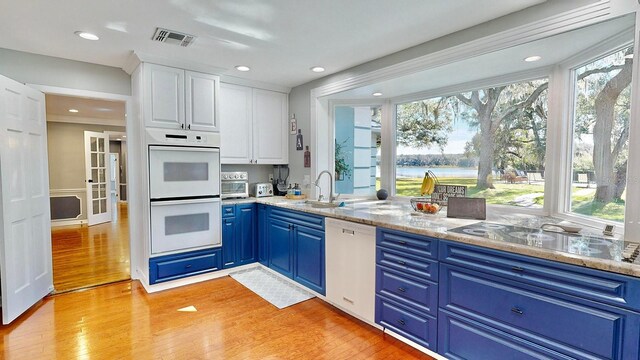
(25, 220)
(96, 158)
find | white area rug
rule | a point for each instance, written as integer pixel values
(271, 288)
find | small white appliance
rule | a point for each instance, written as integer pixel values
(184, 190)
(261, 190)
(234, 185)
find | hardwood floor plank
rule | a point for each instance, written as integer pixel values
(85, 256)
(122, 321)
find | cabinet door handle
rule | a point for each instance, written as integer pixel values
(402, 242)
(189, 126)
(401, 289)
(347, 231)
(401, 322)
(517, 268)
(181, 126)
(187, 266)
(256, 160)
(402, 262)
(517, 311)
(347, 300)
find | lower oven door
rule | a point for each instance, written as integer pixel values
(185, 225)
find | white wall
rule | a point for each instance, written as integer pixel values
(299, 97)
(46, 70)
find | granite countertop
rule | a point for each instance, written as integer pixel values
(399, 215)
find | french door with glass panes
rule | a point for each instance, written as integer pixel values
(96, 156)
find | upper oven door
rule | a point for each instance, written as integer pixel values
(181, 172)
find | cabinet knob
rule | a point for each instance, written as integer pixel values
(401, 322)
(401, 289)
(517, 311)
(187, 266)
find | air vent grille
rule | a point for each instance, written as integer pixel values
(173, 37)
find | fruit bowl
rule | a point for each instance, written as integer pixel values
(425, 205)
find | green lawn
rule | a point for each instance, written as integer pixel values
(530, 195)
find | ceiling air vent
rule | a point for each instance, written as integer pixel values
(173, 37)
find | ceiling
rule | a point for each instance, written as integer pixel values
(553, 50)
(90, 111)
(280, 40)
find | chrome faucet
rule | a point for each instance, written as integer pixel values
(331, 197)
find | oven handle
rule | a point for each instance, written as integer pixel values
(183, 148)
(184, 202)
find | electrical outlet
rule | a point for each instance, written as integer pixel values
(270, 177)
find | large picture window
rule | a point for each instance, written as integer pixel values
(601, 136)
(493, 140)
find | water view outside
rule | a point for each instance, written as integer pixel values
(601, 136)
(491, 140)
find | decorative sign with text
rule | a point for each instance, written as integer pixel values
(442, 193)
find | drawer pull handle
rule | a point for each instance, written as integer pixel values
(517, 268)
(401, 322)
(187, 266)
(350, 232)
(402, 242)
(517, 311)
(347, 300)
(401, 289)
(402, 262)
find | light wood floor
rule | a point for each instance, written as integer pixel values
(122, 321)
(85, 256)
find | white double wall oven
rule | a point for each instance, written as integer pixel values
(184, 191)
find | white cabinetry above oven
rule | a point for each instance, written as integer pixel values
(179, 99)
(253, 126)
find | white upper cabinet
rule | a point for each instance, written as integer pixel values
(236, 122)
(253, 126)
(164, 96)
(179, 99)
(202, 101)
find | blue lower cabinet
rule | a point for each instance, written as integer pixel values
(176, 266)
(309, 258)
(229, 240)
(263, 234)
(239, 241)
(294, 245)
(281, 247)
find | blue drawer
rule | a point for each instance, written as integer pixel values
(460, 338)
(228, 211)
(400, 319)
(422, 246)
(567, 327)
(176, 266)
(420, 295)
(407, 263)
(601, 286)
(298, 218)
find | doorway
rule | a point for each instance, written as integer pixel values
(89, 217)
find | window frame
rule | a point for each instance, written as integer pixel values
(567, 70)
(506, 79)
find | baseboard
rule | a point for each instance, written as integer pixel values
(193, 279)
(55, 223)
(415, 345)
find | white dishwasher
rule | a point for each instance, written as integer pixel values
(351, 267)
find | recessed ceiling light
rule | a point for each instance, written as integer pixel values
(86, 35)
(532, 58)
(243, 68)
(73, 110)
(317, 69)
(377, 93)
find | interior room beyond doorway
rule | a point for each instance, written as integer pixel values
(87, 153)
